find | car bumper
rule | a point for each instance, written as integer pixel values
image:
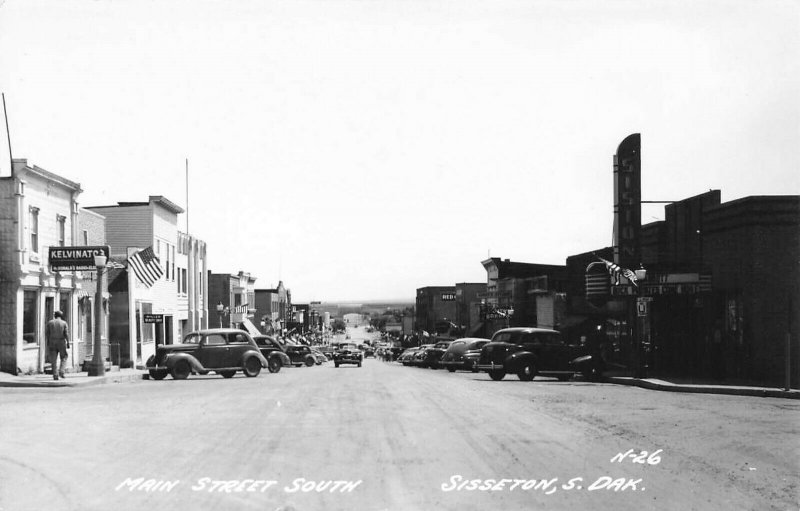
(491, 367)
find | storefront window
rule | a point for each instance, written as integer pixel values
(29, 319)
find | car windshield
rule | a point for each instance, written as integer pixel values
(442, 345)
(347, 346)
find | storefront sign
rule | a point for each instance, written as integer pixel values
(448, 297)
(153, 319)
(75, 258)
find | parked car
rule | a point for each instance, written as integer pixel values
(529, 352)
(222, 350)
(406, 356)
(417, 359)
(300, 355)
(348, 353)
(274, 351)
(319, 357)
(463, 354)
(434, 354)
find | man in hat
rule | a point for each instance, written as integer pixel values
(57, 336)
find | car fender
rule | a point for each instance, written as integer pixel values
(517, 359)
(173, 358)
(283, 357)
(585, 360)
(253, 353)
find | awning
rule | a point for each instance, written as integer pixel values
(250, 327)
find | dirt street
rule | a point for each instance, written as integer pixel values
(387, 437)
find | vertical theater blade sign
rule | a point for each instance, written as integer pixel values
(628, 202)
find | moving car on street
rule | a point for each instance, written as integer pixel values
(222, 350)
(348, 353)
(528, 352)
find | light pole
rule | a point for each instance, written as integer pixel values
(98, 365)
(642, 326)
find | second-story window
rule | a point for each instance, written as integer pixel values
(62, 230)
(85, 238)
(34, 229)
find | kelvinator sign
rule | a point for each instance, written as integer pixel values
(75, 258)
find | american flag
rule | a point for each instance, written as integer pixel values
(616, 270)
(146, 266)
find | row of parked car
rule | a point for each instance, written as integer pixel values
(226, 351)
(526, 352)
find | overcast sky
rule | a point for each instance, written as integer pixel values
(361, 149)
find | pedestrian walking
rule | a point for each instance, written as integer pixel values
(57, 336)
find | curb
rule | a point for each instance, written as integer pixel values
(706, 389)
(75, 381)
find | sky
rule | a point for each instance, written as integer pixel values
(361, 149)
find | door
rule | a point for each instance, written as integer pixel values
(213, 351)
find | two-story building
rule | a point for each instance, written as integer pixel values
(38, 210)
(232, 297)
(143, 313)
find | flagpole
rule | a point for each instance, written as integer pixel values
(187, 195)
(8, 136)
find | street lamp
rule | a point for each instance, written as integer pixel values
(98, 365)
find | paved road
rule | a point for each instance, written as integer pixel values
(388, 437)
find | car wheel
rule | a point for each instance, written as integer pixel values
(451, 369)
(158, 374)
(252, 367)
(527, 372)
(227, 374)
(274, 364)
(497, 374)
(309, 361)
(336, 364)
(359, 364)
(181, 370)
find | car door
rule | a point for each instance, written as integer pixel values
(213, 351)
(238, 344)
(559, 354)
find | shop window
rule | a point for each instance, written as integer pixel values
(29, 301)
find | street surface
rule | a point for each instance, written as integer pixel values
(388, 437)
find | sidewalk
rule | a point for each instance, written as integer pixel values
(676, 385)
(80, 379)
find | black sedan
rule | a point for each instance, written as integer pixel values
(222, 350)
(463, 354)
